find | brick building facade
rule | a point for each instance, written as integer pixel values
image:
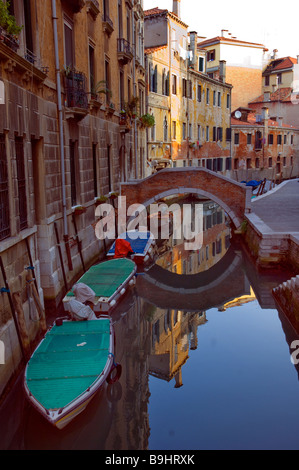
(63, 145)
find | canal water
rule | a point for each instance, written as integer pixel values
(205, 355)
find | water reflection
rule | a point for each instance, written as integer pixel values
(184, 309)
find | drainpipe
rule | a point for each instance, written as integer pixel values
(60, 118)
(135, 93)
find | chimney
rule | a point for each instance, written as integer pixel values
(265, 119)
(176, 8)
(279, 120)
(193, 46)
(275, 53)
(224, 33)
(222, 70)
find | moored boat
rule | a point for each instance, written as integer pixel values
(141, 243)
(109, 280)
(69, 366)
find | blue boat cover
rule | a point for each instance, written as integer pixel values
(138, 240)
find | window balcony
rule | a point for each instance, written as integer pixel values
(124, 51)
(76, 95)
(107, 25)
(93, 7)
(75, 5)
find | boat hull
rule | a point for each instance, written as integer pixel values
(60, 416)
(106, 300)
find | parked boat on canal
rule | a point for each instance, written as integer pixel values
(109, 281)
(70, 365)
(136, 244)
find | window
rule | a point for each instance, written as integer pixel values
(200, 64)
(214, 98)
(91, 68)
(279, 78)
(236, 138)
(211, 55)
(279, 139)
(199, 133)
(228, 133)
(184, 131)
(165, 83)
(267, 80)
(249, 138)
(184, 86)
(4, 197)
(165, 129)
(68, 44)
(208, 96)
(153, 79)
(21, 182)
(207, 133)
(214, 134)
(284, 161)
(285, 139)
(270, 162)
(219, 134)
(292, 139)
(174, 84)
(248, 163)
(107, 79)
(199, 93)
(227, 100)
(258, 140)
(257, 163)
(190, 132)
(219, 99)
(174, 129)
(270, 139)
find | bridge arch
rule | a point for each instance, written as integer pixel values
(233, 197)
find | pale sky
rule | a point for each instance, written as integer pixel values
(274, 23)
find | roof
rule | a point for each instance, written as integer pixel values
(281, 94)
(251, 122)
(216, 39)
(158, 11)
(151, 50)
(280, 64)
(154, 11)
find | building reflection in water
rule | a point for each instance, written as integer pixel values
(183, 285)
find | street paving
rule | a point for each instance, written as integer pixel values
(279, 208)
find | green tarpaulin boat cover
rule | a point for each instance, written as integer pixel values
(105, 278)
(68, 361)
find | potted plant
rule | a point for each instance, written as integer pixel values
(79, 210)
(9, 25)
(131, 107)
(147, 120)
(100, 200)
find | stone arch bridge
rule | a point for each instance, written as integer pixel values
(233, 197)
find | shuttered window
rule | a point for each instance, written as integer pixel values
(4, 202)
(21, 182)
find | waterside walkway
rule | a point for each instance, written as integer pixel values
(272, 233)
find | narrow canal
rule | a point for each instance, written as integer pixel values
(205, 355)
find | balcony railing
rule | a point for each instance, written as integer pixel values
(124, 51)
(75, 88)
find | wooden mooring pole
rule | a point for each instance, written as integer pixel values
(7, 291)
